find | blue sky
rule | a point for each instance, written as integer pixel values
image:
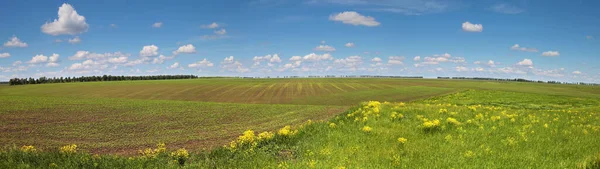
(533, 39)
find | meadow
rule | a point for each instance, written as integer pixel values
(300, 123)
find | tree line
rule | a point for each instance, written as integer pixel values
(520, 80)
(42, 80)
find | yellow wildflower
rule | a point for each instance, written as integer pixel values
(265, 135)
(367, 129)
(402, 140)
(28, 149)
(68, 149)
(247, 137)
(332, 125)
(286, 131)
(453, 121)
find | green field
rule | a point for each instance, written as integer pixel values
(498, 124)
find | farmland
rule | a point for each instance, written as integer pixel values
(498, 124)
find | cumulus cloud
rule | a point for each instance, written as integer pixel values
(118, 60)
(150, 50)
(268, 58)
(354, 18)
(324, 48)
(395, 60)
(189, 48)
(15, 42)
(174, 66)
(577, 72)
(157, 24)
(524, 49)
(75, 40)
(469, 27)
(51, 61)
(200, 64)
(229, 64)
(489, 63)
(68, 22)
(210, 26)
(376, 59)
(315, 57)
(350, 63)
(4, 55)
(417, 58)
(526, 62)
(551, 53)
(161, 59)
(38, 59)
(349, 44)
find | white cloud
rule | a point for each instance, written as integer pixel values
(232, 65)
(350, 44)
(296, 58)
(50, 61)
(417, 58)
(395, 60)
(350, 63)
(506, 9)
(68, 22)
(577, 72)
(150, 50)
(15, 42)
(174, 66)
(118, 60)
(269, 58)
(189, 48)
(157, 24)
(221, 32)
(228, 59)
(354, 18)
(316, 57)
(469, 27)
(461, 69)
(551, 53)
(489, 63)
(322, 42)
(479, 69)
(511, 70)
(51, 64)
(161, 59)
(524, 49)
(526, 62)
(376, 59)
(53, 58)
(38, 59)
(210, 26)
(200, 64)
(75, 40)
(324, 48)
(4, 55)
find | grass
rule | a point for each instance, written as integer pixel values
(109, 118)
(496, 133)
